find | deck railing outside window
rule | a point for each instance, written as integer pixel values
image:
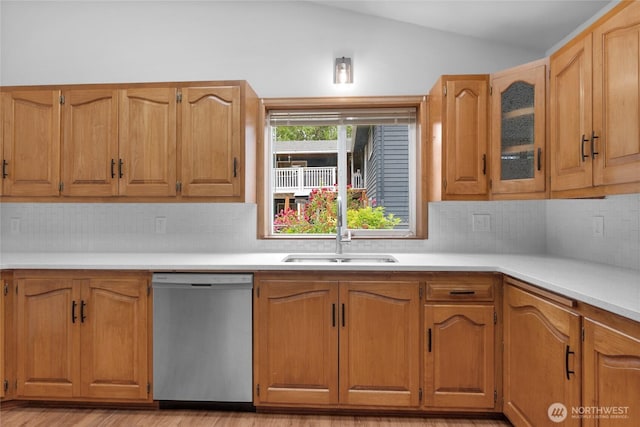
(303, 179)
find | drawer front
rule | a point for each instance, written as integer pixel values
(463, 288)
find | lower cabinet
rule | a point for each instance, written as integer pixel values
(460, 347)
(334, 340)
(611, 375)
(7, 337)
(348, 340)
(542, 358)
(82, 335)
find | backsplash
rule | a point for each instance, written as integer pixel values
(514, 227)
(556, 227)
(605, 231)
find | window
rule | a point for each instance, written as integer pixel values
(367, 157)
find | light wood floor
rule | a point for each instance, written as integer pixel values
(59, 417)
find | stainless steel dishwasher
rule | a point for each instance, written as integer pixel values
(202, 337)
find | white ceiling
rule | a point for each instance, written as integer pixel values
(530, 24)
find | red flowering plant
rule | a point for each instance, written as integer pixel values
(319, 215)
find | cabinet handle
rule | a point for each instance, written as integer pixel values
(235, 167)
(120, 168)
(594, 153)
(343, 321)
(429, 333)
(539, 159)
(462, 292)
(484, 164)
(566, 362)
(4, 169)
(333, 315)
(113, 165)
(584, 139)
(82, 315)
(73, 311)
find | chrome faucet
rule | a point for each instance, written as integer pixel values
(340, 237)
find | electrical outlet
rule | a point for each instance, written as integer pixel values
(481, 222)
(598, 226)
(15, 225)
(161, 225)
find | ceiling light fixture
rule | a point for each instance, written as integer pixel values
(343, 72)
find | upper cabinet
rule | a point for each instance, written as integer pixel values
(595, 109)
(211, 141)
(139, 141)
(518, 131)
(90, 142)
(31, 143)
(459, 143)
(147, 162)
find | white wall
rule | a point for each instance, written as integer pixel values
(283, 48)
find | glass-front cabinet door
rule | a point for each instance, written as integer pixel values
(518, 130)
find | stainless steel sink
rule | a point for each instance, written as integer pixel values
(341, 258)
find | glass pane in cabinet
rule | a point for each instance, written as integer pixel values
(517, 139)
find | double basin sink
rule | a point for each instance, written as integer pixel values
(341, 258)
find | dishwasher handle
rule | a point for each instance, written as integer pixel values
(202, 286)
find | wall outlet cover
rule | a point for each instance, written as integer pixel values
(161, 225)
(598, 226)
(481, 222)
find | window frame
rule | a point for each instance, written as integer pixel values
(263, 152)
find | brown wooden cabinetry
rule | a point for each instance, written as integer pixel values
(542, 358)
(31, 143)
(379, 343)
(460, 354)
(90, 142)
(328, 342)
(82, 336)
(518, 131)
(595, 109)
(211, 141)
(7, 337)
(147, 126)
(296, 341)
(459, 138)
(611, 374)
(136, 141)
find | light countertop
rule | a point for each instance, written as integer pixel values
(610, 288)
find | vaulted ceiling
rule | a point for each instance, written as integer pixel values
(528, 24)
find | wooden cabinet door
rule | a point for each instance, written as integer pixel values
(90, 142)
(466, 137)
(31, 142)
(571, 117)
(518, 130)
(611, 375)
(211, 141)
(616, 98)
(542, 360)
(296, 347)
(114, 340)
(3, 348)
(48, 339)
(459, 356)
(379, 343)
(147, 127)
(7, 337)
